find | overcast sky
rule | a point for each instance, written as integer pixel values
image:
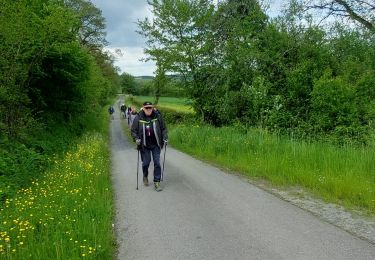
(121, 17)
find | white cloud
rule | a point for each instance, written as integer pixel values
(141, 13)
(129, 61)
(121, 18)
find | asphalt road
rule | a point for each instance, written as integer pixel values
(205, 213)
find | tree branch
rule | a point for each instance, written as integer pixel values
(354, 15)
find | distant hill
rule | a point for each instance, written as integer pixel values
(144, 77)
(173, 76)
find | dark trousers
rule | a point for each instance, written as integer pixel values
(146, 159)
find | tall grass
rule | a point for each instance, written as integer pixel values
(342, 175)
(65, 214)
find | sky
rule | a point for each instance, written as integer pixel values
(121, 17)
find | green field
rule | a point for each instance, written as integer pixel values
(178, 104)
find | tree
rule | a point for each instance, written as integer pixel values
(360, 11)
(91, 27)
(128, 84)
(176, 37)
(28, 31)
(237, 28)
(44, 67)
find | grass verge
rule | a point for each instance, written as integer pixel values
(65, 214)
(341, 175)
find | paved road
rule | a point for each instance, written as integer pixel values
(205, 213)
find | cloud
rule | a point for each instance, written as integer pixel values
(121, 18)
(130, 62)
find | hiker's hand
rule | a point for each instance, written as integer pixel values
(138, 141)
(165, 141)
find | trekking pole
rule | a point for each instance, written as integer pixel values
(137, 168)
(162, 172)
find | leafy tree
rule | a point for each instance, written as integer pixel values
(59, 88)
(176, 37)
(41, 55)
(91, 26)
(128, 84)
(28, 32)
(159, 82)
(237, 26)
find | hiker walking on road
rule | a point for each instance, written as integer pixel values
(111, 110)
(123, 110)
(132, 115)
(129, 112)
(150, 133)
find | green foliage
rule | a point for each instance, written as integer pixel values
(331, 102)
(59, 88)
(28, 30)
(173, 116)
(54, 80)
(173, 88)
(281, 74)
(44, 67)
(128, 84)
(52, 85)
(144, 87)
(91, 26)
(176, 36)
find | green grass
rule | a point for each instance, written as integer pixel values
(177, 104)
(342, 175)
(65, 214)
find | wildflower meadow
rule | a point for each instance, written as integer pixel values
(66, 214)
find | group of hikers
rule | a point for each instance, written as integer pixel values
(150, 133)
(126, 112)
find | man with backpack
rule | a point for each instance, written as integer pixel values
(111, 110)
(150, 133)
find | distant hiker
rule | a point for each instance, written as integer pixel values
(111, 110)
(128, 113)
(150, 133)
(123, 110)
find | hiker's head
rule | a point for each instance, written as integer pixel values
(147, 108)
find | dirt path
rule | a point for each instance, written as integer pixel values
(205, 213)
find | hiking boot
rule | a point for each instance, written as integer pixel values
(145, 181)
(157, 186)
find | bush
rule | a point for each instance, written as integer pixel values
(341, 111)
(174, 117)
(332, 103)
